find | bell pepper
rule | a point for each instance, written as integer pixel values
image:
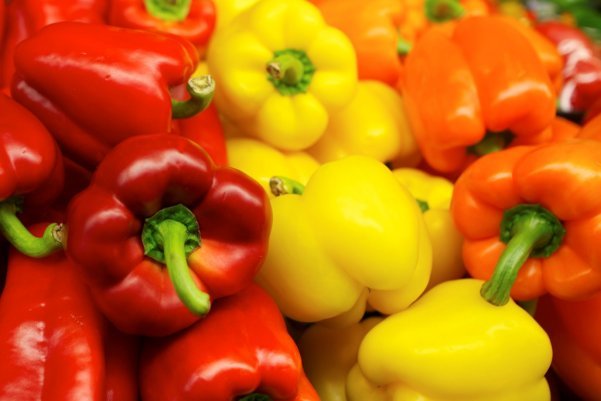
(31, 176)
(433, 195)
(372, 124)
(358, 238)
(245, 354)
(463, 99)
(123, 96)
(329, 353)
(262, 162)
(25, 17)
(227, 10)
(582, 67)
(55, 344)
(529, 215)
(193, 20)
(282, 71)
(574, 328)
(453, 345)
(159, 200)
(591, 129)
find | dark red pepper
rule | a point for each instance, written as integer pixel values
(241, 351)
(158, 198)
(94, 85)
(55, 344)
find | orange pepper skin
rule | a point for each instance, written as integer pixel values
(482, 76)
(562, 177)
(592, 129)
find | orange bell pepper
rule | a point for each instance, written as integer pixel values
(592, 129)
(470, 89)
(530, 216)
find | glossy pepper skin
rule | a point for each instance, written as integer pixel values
(458, 86)
(453, 345)
(25, 17)
(281, 71)
(193, 20)
(358, 238)
(56, 345)
(528, 214)
(122, 230)
(240, 352)
(574, 327)
(31, 177)
(121, 93)
(373, 124)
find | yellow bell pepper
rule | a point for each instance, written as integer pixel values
(227, 10)
(261, 161)
(434, 197)
(329, 353)
(355, 236)
(373, 124)
(280, 71)
(453, 345)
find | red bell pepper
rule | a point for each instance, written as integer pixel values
(156, 200)
(241, 351)
(193, 20)
(55, 344)
(94, 85)
(31, 176)
(25, 17)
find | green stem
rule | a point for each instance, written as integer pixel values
(17, 234)
(255, 397)
(286, 68)
(403, 47)
(423, 205)
(290, 71)
(283, 186)
(492, 142)
(201, 90)
(529, 231)
(168, 10)
(443, 10)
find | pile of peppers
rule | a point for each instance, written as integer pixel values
(300, 200)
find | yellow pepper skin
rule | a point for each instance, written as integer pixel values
(261, 161)
(280, 71)
(452, 345)
(434, 195)
(373, 124)
(355, 236)
(227, 10)
(329, 353)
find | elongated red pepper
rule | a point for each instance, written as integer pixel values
(156, 200)
(241, 351)
(94, 86)
(25, 17)
(31, 176)
(55, 344)
(193, 20)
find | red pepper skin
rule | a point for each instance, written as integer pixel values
(52, 336)
(91, 98)
(25, 17)
(197, 27)
(206, 130)
(582, 67)
(138, 178)
(242, 347)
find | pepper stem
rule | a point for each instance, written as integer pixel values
(286, 68)
(290, 71)
(403, 47)
(169, 237)
(168, 10)
(17, 234)
(423, 205)
(283, 186)
(528, 231)
(255, 397)
(492, 142)
(443, 10)
(201, 90)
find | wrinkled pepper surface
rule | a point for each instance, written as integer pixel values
(530, 220)
(281, 71)
(453, 345)
(240, 352)
(31, 176)
(55, 344)
(463, 98)
(193, 20)
(91, 99)
(159, 200)
(373, 124)
(353, 236)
